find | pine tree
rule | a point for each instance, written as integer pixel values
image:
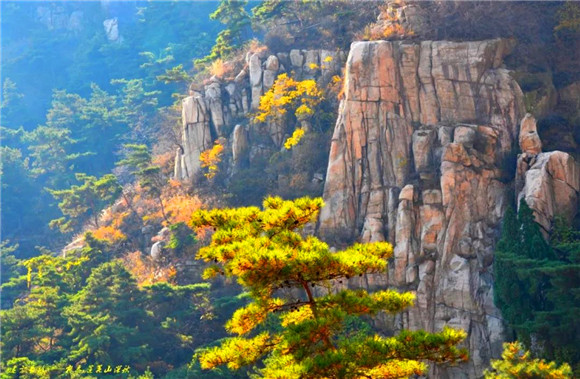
(81, 202)
(536, 285)
(518, 364)
(265, 251)
(232, 14)
(139, 161)
(108, 323)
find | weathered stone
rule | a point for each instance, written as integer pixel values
(407, 193)
(296, 58)
(552, 187)
(271, 71)
(432, 219)
(213, 98)
(240, 147)
(530, 142)
(241, 76)
(330, 63)
(464, 135)
(445, 134)
(453, 110)
(423, 144)
(431, 197)
(269, 78)
(311, 63)
(112, 29)
(272, 63)
(404, 236)
(157, 250)
(196, 135)
(373, 230)
(255, 69)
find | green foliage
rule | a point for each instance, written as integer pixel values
(81, 202)
(27, 369)
(232, 14)
(52, 154)
(265, 252)
(139, 161)
(518, 364)
(175, 74)
(537, 284)
(86, 308)
(223, 48)
(12, 280)
(181, 236)
(107, 319)
(101, 96)
(306, 24)
(12, 103)
(569, 18)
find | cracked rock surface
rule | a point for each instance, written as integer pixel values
(416, 160)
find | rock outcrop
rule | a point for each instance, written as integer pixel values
(530, 142)
(195, 138)
(213, 111)
(111, 27)
(416, 159)
(551, 187)
(549, 182)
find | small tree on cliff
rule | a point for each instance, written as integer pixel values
(265, 251)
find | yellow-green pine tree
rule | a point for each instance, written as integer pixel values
(264, 250)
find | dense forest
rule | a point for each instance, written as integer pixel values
(135, 247)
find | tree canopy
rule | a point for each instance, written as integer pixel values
(536, 284)
(266, 252)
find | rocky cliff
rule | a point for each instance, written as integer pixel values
(416, 159)
(218, 109)
(421, 156)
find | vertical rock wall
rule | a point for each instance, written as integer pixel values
(416, 159)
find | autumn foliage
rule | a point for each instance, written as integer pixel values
(516, 363)
(145, 271)
(211, 158)
(289, 95)
(265, 252)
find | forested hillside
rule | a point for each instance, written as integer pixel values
(290, 189)
(72, 94)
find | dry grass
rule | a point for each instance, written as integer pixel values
(221, 68)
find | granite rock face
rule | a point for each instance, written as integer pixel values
(551, 186)
(196, 136)
(416, 160)
(214, 111)
(549, 182)
(529, 139)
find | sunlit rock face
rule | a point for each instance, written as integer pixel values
(548, 182)
(214, 110)
(196, 136)
(416, 160)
